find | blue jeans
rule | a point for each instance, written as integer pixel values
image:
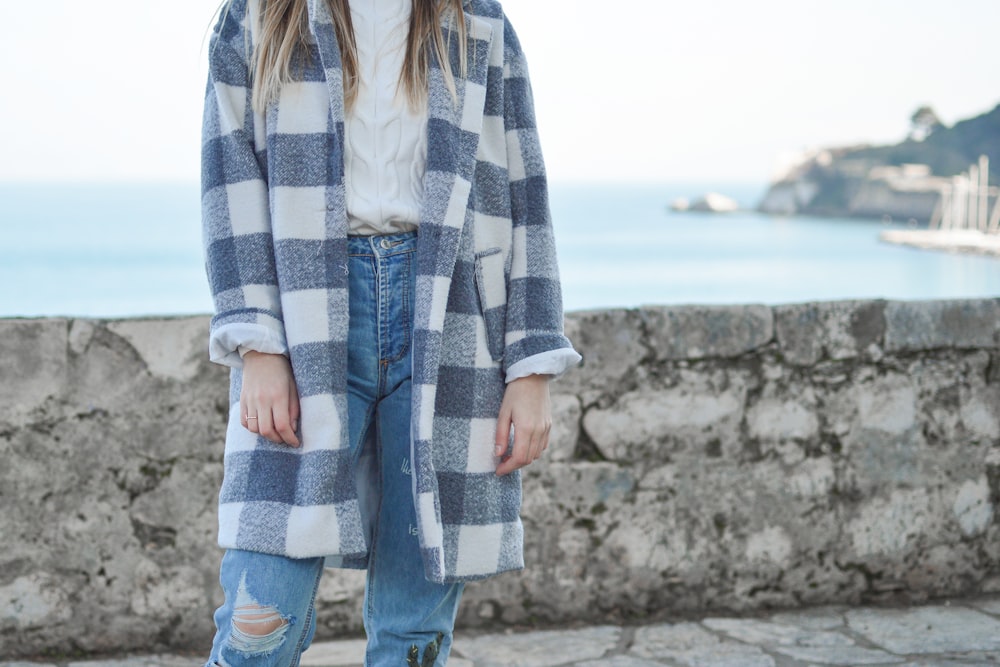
(268, 618)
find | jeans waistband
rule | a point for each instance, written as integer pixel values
(382, 245)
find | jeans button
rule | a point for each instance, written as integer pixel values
(385, 244)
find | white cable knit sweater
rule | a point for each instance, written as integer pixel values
(386, 140)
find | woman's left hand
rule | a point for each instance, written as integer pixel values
(526, 407)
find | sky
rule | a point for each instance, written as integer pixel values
(648, 91)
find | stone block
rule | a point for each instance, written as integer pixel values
(887, 405)
(972, 507)
(926, 325)
(170, 347)
(645, 425)
(33, 365)
(772, 545)
(109, 375)
(776, 419)
(892, 527)
(979, 411)
(612, 346)
(812, 478)
(32, 601)
(566, 413)
(698, 332)
(810, 332)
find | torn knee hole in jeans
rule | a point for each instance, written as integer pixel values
(256, 628)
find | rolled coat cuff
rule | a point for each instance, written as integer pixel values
(552, 362)
(229, 342)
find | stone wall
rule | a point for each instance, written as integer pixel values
(703, 458)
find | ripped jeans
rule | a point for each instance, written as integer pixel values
(268, 618)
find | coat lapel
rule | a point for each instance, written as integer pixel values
(453, 129)
(464, 111)
(321, 24)
(454, 125)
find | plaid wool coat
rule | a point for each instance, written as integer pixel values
(488, 295)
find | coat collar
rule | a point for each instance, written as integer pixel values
(442, 105)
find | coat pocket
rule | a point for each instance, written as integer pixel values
(491, 283)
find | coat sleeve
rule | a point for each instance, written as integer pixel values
(236, 229)
(534, 339)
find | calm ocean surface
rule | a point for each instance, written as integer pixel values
(124, 250)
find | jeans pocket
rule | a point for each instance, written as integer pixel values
(491, 284)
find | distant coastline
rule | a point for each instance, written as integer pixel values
(904, 182)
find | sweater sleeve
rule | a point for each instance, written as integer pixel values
(534, 321)
(236, 229)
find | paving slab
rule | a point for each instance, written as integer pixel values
(140, 661)
(931, 629)
(816, 618)
(824, 646)
(538, 649)
(691, 645)
(958, 662)
(619, 661)
(990, 605)
(768, 633)
(840, 655)
(344, 653)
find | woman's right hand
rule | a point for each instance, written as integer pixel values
(269, 402)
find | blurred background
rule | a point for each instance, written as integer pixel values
(720, 152)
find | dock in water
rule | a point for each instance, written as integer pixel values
(955, 240)
(961, 221)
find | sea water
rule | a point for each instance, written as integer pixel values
(621, 246)
(113, 250)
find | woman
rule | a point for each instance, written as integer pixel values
(380, 253)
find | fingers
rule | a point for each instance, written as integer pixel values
(274, 423)
(530, 440)
(269, 400)
(502, 441)
(265, 425)
(294, 411)
(527, 409)
(244, 413)
(281, 422)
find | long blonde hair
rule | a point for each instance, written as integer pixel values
(284, 29)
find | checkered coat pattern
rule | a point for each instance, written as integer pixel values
(488, 295)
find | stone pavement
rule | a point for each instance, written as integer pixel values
(946, 634)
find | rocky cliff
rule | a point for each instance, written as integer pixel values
(902, 181)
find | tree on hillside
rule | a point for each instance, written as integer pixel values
(923, 123)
